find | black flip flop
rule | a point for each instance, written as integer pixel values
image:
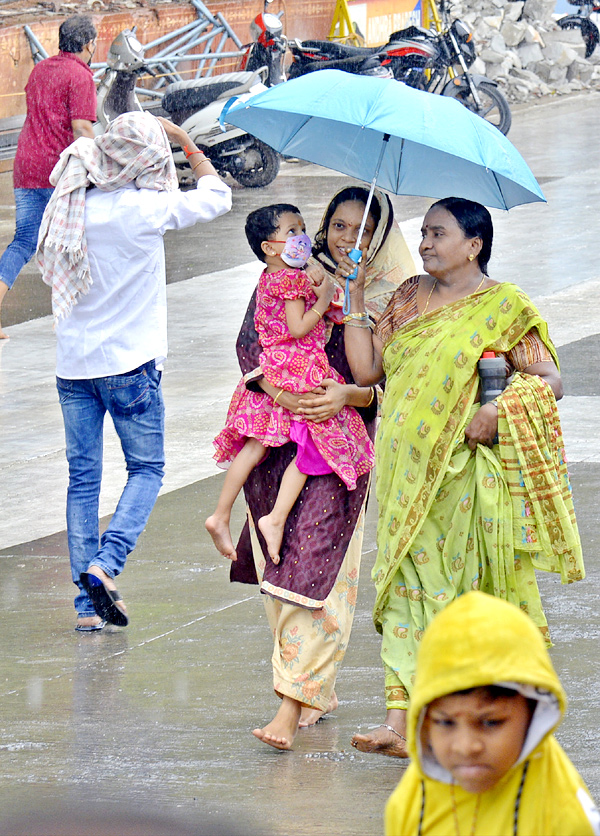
(105, 600)
(90, 628)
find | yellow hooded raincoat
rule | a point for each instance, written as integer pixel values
(481, 640)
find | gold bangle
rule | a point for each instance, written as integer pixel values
(360, 324)
(349, 317)
(278, 395)
(205, 160)
(371, 398)
(318, 313)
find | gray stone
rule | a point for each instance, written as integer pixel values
(493, 22)
(478, 66)
(581, 71)
(529, 54)
(512, 11)
(526, 75)
(532, 36)
(559, 53)
(497, 43)
(539, 10)
(490, 56)
(513, 33)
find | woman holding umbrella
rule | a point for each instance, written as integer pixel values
(458, 511)
(310, 595)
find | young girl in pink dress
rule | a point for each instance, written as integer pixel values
(292, 332)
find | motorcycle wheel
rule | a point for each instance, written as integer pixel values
(590, 37)
(494, 109)
(263, 166)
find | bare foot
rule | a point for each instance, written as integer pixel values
(281, 731)
(3, 335)
(382, 741)
(273, 534)
(219, 531)
(310, 716)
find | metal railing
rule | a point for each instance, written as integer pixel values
(200, 44)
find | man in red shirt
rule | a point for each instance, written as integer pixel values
(61, 106)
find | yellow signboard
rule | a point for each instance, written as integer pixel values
(375, 20)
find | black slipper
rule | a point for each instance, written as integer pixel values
(90, 628)
(105, 600)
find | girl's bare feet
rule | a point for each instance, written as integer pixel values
(310, 716)
(387, 739)
(272, 531)
(281, 731)
(218, 528)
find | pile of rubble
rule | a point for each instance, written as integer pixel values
(520, 46)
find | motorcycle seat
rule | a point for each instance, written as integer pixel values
(411, 32)
(334, 51)
(198, 93)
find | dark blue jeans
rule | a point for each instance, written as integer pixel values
(134, 402)
(30, 205)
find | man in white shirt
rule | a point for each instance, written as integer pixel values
(101, 250)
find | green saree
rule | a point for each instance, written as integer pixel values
(452, 519)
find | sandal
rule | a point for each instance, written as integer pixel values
(90, 628)
(105, 600)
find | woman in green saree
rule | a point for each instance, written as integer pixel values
(456, 510)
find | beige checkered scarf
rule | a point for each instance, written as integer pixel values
(134, 148)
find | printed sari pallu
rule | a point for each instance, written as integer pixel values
(491, 515)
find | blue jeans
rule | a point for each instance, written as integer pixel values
(134, 402)
(30, 205)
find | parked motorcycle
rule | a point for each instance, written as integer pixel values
(581, 20)
(268, 46)
(428, 60)
(422, 58)
(195, 106)
(309, 56)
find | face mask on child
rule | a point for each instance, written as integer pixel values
(297, 250)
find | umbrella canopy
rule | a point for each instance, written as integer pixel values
(424, 144)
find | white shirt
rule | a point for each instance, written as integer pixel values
(121, 322)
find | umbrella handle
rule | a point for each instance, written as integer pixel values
(355, 255)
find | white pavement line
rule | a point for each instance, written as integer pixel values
(205, 314)
(69, 672)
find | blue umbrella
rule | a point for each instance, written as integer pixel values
(379, 130)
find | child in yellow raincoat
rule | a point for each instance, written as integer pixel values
(484, 760)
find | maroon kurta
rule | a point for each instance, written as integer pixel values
(321, 523)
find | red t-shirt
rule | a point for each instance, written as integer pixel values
(59, 89)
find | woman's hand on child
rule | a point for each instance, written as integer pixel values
(323, 403)
(325, 290)
(316, 274)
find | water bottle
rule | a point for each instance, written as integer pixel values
(492, 373)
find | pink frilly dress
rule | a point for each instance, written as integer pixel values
(341, 443)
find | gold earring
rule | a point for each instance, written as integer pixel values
(471, 257)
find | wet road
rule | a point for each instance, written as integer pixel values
(160, 714)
